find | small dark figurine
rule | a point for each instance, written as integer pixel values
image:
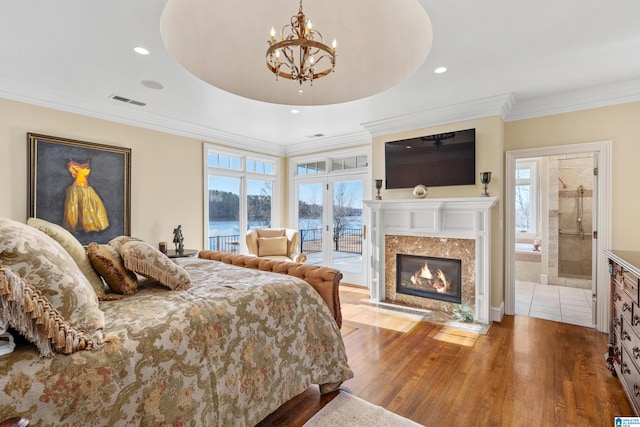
(178, 239)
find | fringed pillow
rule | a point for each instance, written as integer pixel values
(47, 267)
(73, 247)
(148, 261)
(29, 312)
(117, 242)
(107, 262)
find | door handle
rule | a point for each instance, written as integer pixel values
(364, 232)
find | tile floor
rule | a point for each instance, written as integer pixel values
(559, 303)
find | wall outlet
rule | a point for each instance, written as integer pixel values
(544, 279)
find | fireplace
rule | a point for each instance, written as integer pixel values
(456, 228)
(429, 277)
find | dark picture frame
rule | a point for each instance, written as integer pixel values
(84, 187)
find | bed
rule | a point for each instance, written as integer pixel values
(246, 336)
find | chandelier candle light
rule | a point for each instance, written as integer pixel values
(301, 53)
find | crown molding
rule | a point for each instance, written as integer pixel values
(480, 108)
(584, 99)
(505, 106)
(339, 142)
(129, 115)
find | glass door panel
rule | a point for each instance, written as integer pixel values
(311, 220)
(347, 233)
(330, 222)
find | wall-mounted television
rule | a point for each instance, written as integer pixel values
(433, 160)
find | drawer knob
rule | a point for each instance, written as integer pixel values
(636, 390)
(616, 297)
(636, 320)
(625, 335)
(636, 352)
(617, 321)
(625, 307)
(625, 368)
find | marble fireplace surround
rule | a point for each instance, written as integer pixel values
(449, 226)
(462, 249)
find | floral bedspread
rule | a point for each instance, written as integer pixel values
(226, 352)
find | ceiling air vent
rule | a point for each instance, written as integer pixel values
(316, 135)
(127, 100)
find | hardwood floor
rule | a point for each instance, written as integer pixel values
(524, 372)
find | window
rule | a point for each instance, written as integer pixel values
(526, 196)
(311, 168)
(344, 163)
(240, 189)
(339, 163)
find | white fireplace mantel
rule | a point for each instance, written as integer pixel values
(462, 218)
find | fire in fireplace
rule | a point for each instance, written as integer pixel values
(429, 277)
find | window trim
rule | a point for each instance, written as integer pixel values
(534, 195)
(244, 175)
(327, 157)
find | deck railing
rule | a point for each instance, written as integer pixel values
(225, 243)
(349, 240)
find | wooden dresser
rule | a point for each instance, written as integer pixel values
(623, 357)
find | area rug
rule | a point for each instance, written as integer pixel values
(350, 411)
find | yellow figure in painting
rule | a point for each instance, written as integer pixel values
(83, 208)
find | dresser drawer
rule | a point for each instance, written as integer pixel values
(630, 340)
(630, 379)
(627, 281)
(622, 303)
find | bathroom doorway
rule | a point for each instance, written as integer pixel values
(554, 270)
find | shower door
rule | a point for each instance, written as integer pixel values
(577, 202)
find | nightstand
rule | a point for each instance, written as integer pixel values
(172, 253)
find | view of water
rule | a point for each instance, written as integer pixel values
(232, 228)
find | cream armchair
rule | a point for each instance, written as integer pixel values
(275, 243)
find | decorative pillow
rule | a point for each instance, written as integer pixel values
(107, 262)
(148, 261)
(271, 232)
(74, 247)
(47, 267)
(117, 242)
(272, 246)
(29, 312)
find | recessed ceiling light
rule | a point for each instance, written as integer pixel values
(152, 84)
(141, 50)
(440, 70)
(295, 111)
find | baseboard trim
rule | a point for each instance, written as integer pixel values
(496, 313)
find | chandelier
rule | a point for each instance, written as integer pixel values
(301, 53)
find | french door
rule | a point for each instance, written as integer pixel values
(329, 216)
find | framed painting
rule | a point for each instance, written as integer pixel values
(82, 186)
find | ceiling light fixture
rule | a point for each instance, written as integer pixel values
(440, 70)
(301, 53)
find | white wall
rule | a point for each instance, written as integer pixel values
(166, 170)
(619, 124)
